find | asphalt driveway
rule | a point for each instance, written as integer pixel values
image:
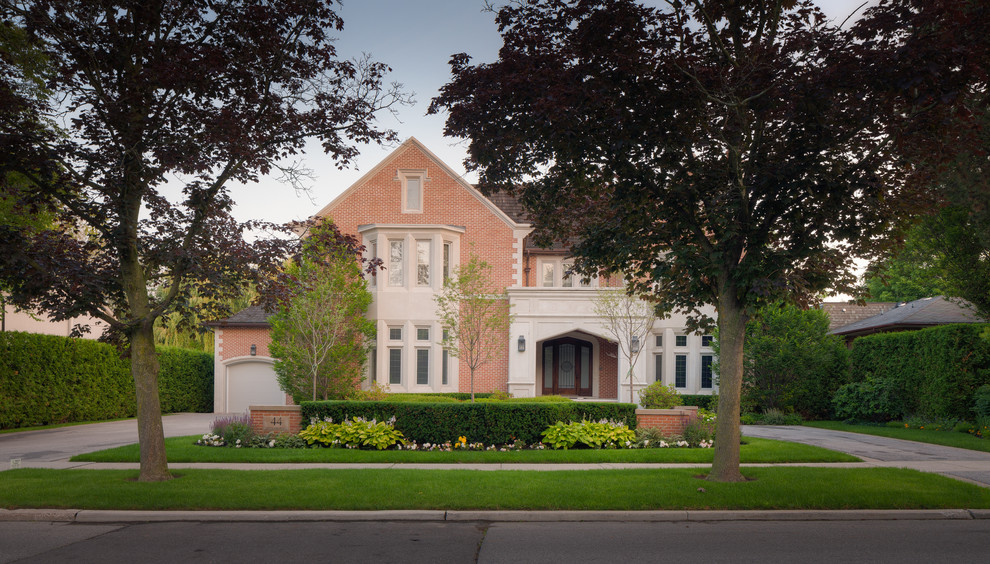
(52, 447)
(969, 465)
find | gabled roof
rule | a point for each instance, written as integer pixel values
(412, 142)
(251, 316)
(926, 312)
(841, 314)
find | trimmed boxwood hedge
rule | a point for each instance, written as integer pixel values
(47, 379)
(488, 422)
(932, 373)
(702, 401)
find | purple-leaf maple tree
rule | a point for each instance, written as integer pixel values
(139, 94)
(713, 152)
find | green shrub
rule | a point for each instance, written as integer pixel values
(981, 401)
(486, 422)
(699, 433)
(932, 373)
(658, 396)
(650, 437)
(45, 379)
(709, 402)
(871, 400)
(185, 380)
(354, 433)
(590, 434)
(778, 417)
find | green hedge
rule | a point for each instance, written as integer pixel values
(932, 373)
(46, 379)
(702, 401)
(488, 422)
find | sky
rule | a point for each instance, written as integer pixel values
(416, 38)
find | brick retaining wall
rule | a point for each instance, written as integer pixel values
(669, 421)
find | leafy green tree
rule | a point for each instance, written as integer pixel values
(791, 363)
(320, 334)
(720, 153)
(474, 314)
(194, 93)
(909, 273)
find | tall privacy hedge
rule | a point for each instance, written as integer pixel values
(931, 373)
(47, 379)
(489, 423)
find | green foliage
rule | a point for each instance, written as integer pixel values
(791, 363)
(185, 380)
(981, 401)
(699, 433)
(658, 396)
(703, 401)
(353, 433)
(590, 434)
(475, 315)
(320, 334)
(909, 274)
(933, 373)
(46, 379)
(489, 423)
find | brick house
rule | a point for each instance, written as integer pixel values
(423, 219)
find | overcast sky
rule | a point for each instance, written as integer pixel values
(416, 38)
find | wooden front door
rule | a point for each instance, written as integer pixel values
(567, 367)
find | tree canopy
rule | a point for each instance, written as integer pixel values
(193, 93)
(733, 154)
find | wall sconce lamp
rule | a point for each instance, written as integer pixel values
(254, 350)
(634, 344)
(522, 343)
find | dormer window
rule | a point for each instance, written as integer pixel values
(412, 190)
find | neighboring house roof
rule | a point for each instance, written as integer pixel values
(251, 316)
(841, 314)
(926, 312)
(508, 203)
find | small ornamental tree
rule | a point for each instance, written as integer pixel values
(319, 332)
(474, 314)
(626, 318)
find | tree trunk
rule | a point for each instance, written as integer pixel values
(151, 435)
(731, 336)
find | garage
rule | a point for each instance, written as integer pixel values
(252, 382)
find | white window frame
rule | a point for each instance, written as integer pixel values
(404, 177)
(428, 264)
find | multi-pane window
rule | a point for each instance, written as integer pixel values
(373, 250)
(443, 359)
(658, 367)
(414, 194)
(706, 371)
(423, 366)
(395, 275)
(706, 340)
(373, 366)
(395, 366)
(680, 340)
(422, 263)
(548, 274)
(422, 333)
(680, 371)
(568, 276)
(446, 259)
(658, 340)
(395, 333)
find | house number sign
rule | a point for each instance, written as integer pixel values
(274, 423)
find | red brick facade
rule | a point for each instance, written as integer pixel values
(669, 421)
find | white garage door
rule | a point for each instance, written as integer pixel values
(252, 383)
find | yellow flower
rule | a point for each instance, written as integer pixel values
(462, 439)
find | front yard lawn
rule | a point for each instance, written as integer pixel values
(371, 489)
(944, 438)
(182, 449)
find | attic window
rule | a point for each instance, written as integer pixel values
(412, 190)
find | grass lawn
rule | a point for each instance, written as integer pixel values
(182, 449)
(944, 438)
(363, 489)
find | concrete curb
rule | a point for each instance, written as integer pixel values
(115, 516)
